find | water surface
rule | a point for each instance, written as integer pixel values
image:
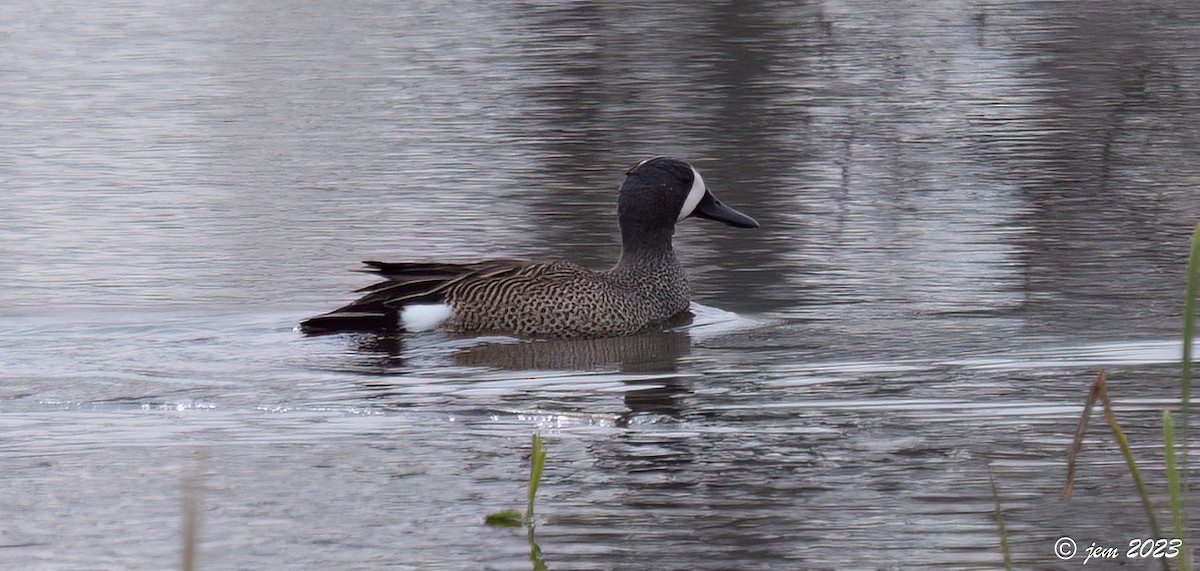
(968, 209)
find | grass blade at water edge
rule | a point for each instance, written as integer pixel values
(1127, 452)
(1185, 373)
(1173, 488)
(537, 462)
(1000, 522)
(193, 493)
(1099, 392)
(514, 518)
(1189, 334)
(1077, 443)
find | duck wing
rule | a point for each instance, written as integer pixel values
(403, 283)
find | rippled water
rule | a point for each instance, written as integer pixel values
(968, 209)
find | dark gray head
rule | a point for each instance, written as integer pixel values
(662, 191)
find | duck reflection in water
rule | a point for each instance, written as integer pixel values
(653, 351)
(656, 352)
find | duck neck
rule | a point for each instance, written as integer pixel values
(646, 253)
(648, 266)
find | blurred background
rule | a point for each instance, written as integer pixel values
(967, 209)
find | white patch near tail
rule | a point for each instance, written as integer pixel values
(693, 197)
(424, 317)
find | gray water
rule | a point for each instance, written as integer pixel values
(968, 210)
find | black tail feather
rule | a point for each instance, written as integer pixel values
(404, 283)
(338, 321)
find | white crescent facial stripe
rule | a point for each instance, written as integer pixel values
(693, 197)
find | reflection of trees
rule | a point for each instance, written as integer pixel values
(609, 87)
(1109, 166)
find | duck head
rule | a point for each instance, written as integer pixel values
(662, 191)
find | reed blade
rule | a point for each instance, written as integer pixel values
(1000, 522)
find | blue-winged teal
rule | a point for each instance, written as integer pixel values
(555, 299)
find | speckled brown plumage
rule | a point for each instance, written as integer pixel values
(557, 299)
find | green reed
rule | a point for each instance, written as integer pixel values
(1189, 334)
(1174, 489)
(1099, 394)
(1000, 522)
(1177, 473)
(1175, 449)
(514, 517)
(537, 462)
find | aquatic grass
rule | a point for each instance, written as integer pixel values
(535, 550)
(514, 517)
(537, 462)
(1178, 518)
(505, 518)
(1175, 456)
(1189, 334)
(193, 492)
(1099, 393)
(1077, 442)
(1175, 449)
(1178, 473)
(1000, 522)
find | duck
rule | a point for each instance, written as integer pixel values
(551, 299)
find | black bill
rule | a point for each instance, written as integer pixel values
(714, 209)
